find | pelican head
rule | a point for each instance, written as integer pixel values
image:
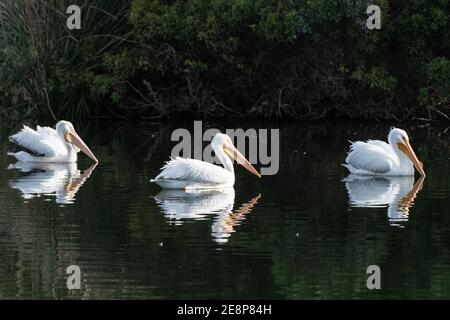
(68, 134)
(398, 137)
(222, 144)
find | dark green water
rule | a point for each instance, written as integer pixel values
(303, 233)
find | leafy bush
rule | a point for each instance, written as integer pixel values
(44, 65)
(284, 59)
(436, 95)
(288, 58)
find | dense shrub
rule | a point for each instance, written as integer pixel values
(291, 58)
(266, 58)
(44, 65)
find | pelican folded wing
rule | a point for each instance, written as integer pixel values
(41, 141)
(192, 170)
(370, 157)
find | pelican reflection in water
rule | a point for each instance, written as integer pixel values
(395, 193)
(179, 206)
(61, 180)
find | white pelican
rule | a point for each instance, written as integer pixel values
(376, 157)
(395, 193)
(46, 144)
(180, 173)
(62, 180)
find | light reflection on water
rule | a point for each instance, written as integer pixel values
(308, 232)
(397, 194)
(179, 206)
(59, 180)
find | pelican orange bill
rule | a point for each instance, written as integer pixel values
(73, 137)
(406, 148)
(236, 155)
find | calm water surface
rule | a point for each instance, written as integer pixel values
(308, 232)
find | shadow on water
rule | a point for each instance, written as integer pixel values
(310, 235)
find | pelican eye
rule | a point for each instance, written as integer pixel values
(227, 151)
(68, 137)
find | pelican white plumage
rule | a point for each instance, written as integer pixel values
(376, 157)
(395, 193)
(46, 144)
(181, 173)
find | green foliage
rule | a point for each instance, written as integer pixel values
(422, 30)
(42, 63)
(301, 59)
(242, 45)
(377, 78)
(438, 76)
